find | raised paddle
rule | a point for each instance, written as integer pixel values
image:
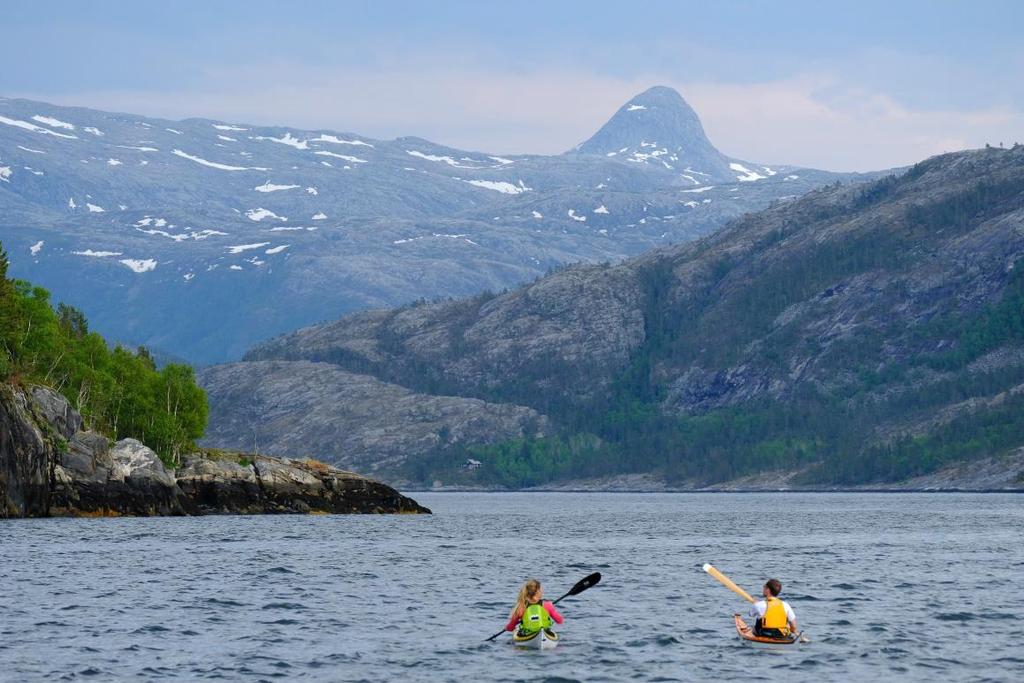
(581, 586)
(727, 582)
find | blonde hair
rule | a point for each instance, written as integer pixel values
(528, 591)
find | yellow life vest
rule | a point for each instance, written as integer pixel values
(775, 616)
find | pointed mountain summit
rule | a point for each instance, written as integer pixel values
(658, 128)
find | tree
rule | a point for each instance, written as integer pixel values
(72, 320)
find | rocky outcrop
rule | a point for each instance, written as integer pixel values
(359, 422)
(25, 457)
(255, 484)
(50, 467)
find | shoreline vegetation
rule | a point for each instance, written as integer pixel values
(76, 417)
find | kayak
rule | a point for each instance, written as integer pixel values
(544, 639)
(746, 633)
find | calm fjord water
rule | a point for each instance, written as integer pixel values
(888, 586)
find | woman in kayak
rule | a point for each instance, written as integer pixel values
(772, 617)
(532, 612)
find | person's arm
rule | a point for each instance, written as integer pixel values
(791, 617)
(513, 621)
(550, 607)
(754, 613)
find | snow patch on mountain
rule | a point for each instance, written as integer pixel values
(113, 162)
(239, 248)
(218, 126)
(5, 173)
(94, 209)
(748, 175)
(319, 216)
(344, 157)
(286, 139)
(338, 141)
(96, 254)
(538, 214)
(213, 164)
(52, 122)
(572, 215)
(635, 107)
(601, 209)
(261, 213)
(312, 190)
(277, 250)
(37, 247)
(29, 149)
(699, 189)
(94, 131)
(435, 157)
(139, 265)
(34, 128)
(271, 187)
(501, 186)
(138, 149)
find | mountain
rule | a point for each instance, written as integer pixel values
(863, 333)
(657, 128)
(199, 238)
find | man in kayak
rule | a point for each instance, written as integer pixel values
(773, 618)
(532, 612)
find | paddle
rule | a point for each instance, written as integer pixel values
(727, 582)
(581, 586)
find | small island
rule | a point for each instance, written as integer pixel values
(50, 466)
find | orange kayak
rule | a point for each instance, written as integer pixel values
(746, 633)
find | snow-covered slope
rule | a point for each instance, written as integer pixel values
(201, 237)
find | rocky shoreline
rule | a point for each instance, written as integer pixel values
(50, 466)
(988, 475)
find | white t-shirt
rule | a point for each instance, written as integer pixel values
(758, 609)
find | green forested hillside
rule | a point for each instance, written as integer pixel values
(926, 369)
(119, 392)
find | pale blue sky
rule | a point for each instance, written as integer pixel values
(839, 85)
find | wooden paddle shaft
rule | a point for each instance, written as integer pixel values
(727, 582)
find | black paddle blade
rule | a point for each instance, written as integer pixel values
(586, 583)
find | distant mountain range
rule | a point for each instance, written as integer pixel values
(862, 334)
(199, 238)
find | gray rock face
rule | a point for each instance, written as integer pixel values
(200, 238)
(126, 479)
(356, 421)
(658, 129)
(582, 323)
(42, 474)
(56, 411)
(24, 458)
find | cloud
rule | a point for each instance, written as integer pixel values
(815, 122)
(810, 120)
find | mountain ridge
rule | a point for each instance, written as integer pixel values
(838, 334)
(201, 238)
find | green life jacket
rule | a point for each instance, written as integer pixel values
(535, 617)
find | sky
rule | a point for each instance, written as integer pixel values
(839, 85)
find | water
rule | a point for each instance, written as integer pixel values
(911, 587)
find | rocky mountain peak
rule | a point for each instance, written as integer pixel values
(659, 128)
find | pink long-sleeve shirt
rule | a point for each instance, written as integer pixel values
(518, 615)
